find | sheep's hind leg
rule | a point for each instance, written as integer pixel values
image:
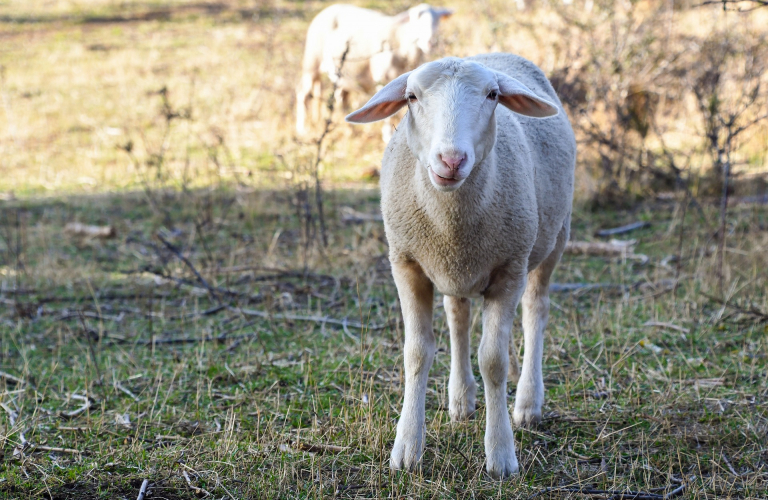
(416, 295)
(303, 101)
(498, 312)
(529, 397)
(461, 384)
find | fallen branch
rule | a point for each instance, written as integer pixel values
(55, 449)
(90, 314)
(622, 229)
(74, 413)
(143, 489)
(572, 287)
(728, 463)
(756, 4)
(198, 491)
(121, 388)
(10, 379)
(185, 282)
(189, 264)
(352, 216)
(86, 231)
(614, 248)
(321, 448)
(314, 319)
(192, 340)
(613, 494)
(669, 326)
(12, 415)
(751, 310)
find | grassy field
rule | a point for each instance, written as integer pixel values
(133, 369)
(213, 347)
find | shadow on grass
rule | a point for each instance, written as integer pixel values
(134, 12)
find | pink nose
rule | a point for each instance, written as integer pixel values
(453, 162)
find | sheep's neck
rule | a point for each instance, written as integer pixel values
(405, 51)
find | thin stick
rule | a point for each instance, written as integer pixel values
(319, 156)
(56, 449)
(728, 463)
(189, 264)
(321, 448)
(315, 319)
(11, 379)
(623, 229)
(143, 489)
(194, 488)
(91, 348)
(723, 220)
(613, 494)
(74, 413)
(120, 387)
(763, 316)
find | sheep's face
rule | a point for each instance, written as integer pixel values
(423, 21)
(451, 122)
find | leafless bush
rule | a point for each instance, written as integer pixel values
(732, 98)
(632, 78)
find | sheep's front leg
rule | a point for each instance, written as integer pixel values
(416, 295)
(461, 384)
(493, 354)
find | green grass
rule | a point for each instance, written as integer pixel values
(628, 406)
(197, 398)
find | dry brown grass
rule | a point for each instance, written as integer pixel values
(79, 79)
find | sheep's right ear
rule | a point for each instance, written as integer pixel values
(385, 103)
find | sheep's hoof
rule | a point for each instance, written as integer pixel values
(501, 461)
(528, 402)
(461, 409)
(406, 453)
(526, 417)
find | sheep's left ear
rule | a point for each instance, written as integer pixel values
(520, 99)
(442, 13)
(385, 103)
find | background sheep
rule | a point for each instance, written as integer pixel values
(476, 202)
(380, 47)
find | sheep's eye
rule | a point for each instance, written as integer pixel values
(412, 97)
(492, 95)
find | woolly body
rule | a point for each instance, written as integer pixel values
(476, 201)
(510, 210)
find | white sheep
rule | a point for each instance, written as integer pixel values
(476, 201)
(381, 47)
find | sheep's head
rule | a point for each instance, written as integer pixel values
(451, 122)
(421, 26)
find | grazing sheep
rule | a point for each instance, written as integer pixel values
(476, 202)
(380, 48)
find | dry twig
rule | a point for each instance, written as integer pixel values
(191, 266)
(314, 319)
(613, 494)
(614, 248)
(86, 231)
(622, 229)
(198, 491)
(10, 379)
(143, 489)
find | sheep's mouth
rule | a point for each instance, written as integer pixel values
(444, 181)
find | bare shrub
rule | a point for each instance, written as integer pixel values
(636, 77)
